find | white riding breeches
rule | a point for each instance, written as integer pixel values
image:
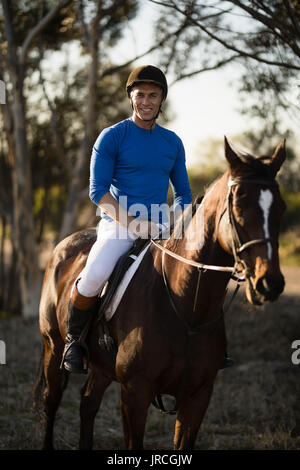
(113, 240)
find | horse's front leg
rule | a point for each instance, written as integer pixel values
(190, 416)
(135, 400)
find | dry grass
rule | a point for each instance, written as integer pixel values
(254, 406)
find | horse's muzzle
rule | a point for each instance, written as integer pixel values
(270, 287)
(266, 288)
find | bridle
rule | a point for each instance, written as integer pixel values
(239, 272)
(237, 246)
(236, 274)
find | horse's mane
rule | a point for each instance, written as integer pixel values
(172, 242)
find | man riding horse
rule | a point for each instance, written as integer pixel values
(131, 165)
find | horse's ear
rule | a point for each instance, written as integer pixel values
(278, 157)
(231, 157)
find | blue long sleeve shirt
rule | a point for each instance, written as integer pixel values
(136, 166)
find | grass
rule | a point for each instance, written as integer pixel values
(255, 404)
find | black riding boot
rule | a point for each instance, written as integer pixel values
(75, 348)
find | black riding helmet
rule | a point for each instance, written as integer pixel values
(147, 74)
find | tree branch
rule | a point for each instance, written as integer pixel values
(291, 14)
(271, 23)
(39, 27)
(206, 69)
(236, 49)
(113, 70)
(111, 10)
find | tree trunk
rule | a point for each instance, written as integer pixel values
(29, 273)
(84, 153)
(23, 222)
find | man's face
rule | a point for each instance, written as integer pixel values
(146, 99)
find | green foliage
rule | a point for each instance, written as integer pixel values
(263, 95)
(114, 22)
(200, 180)
(291, 216)
(27, 13)
(48, 202)
(58, 90)
(260, 37)
(289, 247)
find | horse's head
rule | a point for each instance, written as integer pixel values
(254, 210)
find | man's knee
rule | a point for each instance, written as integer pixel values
(90, 284)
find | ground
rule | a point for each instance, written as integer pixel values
(254, 405)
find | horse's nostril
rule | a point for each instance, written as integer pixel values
(260, 286)
(270, 287)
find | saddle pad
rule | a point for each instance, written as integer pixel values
(116, 299)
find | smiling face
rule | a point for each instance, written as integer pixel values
(146, 99)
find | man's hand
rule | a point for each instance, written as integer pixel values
(143, 228)
(138, 227)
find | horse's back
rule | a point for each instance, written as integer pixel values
(67, 260)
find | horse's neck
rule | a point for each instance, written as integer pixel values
(200, 243)
(201, 229)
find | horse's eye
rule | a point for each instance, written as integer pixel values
(241, 192)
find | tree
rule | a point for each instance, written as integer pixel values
(14, 63)
(262, 37)
(103, 29)
(45, 123)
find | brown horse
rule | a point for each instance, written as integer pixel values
(169, 328)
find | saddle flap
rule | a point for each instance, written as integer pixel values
(122, 266)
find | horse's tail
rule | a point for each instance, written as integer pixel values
(39, 385)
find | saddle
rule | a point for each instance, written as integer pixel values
(125, 261)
